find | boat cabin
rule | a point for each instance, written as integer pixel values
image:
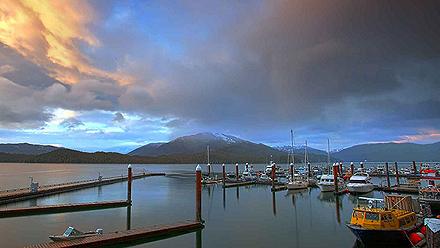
(378, 218)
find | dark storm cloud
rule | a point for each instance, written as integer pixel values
(259, 69)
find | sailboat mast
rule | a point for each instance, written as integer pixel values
(305, 154)
(292, 149)
(207, 150)
(328, 155)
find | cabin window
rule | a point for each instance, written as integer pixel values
(358, 181)
(358, 214)
(371, 216)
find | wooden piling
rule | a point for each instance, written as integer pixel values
(224, 174)
(291, 171)
(362, 165)
(198, 193)
(352, 168)
(397, 173)
(273, 176)
(309, 170)
(414, 167)
(129, 182)
(209, 170)
(335, 177)
(387, 172)
(236, 172)
(340, 169)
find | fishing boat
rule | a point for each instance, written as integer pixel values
(360, 183)
(327, 183)
(430, 196)
(72, 233)
(393, 225)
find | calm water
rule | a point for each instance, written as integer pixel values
(236, 217)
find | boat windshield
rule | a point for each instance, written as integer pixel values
(70, 231)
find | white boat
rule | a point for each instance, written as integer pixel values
(248, 176)
(360, 183)
(297, 183)
(263, 177)
(71, 233)
(327, 183)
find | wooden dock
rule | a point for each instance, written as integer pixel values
(238, 184)
(16, 195)
(140, 235)
(61, 208)
(398, 189)
(279, 188)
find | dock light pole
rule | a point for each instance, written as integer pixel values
(387, 174)
(236, 172)
(414, 167)
(397, 173)
(335, 176)
(129, 181)
(224, 174)
(199, 193)
(352, 168)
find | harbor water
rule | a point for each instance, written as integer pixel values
(250, 216)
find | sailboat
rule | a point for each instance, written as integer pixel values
(327, 182)
(296, 182)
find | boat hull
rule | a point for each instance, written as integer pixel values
(295, 186)
(382, 238)
(360, 189)
(326, 187)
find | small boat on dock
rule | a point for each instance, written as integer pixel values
(360, 183)
(389, 226)
(72, 233)
(297, 182)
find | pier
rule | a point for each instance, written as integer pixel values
(128, 236)
(61, 208)
(16, 195)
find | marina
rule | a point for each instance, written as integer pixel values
(219, 203)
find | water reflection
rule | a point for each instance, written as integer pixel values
(224, 198)
(238, 193)
(274, 204)
(199, 239)
(128, 217)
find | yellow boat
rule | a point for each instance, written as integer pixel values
(390, 226)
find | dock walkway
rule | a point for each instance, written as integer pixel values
(128, 236)
(15, 195)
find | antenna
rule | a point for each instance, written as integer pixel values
(292, 149)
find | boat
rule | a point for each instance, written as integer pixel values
(360, 183)
(430, 196)
(297, 183)
(327, 183)
(264, 178)
(249, 174)
(393, 225)
(72, 233)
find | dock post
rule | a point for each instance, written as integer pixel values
(340, 169)
(362, 166)
(273, 175)
(421, 167)
(209, 170)
(291, 171)
(236, 172)
(335, 176)
(337, 167)
(397, 173)
(309, 169)
(129, 181)
(414, 167)
(387, 174)
(247, 166)
(352, 168)
(224, 174)
(199, 193)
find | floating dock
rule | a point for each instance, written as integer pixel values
(16, 195)
(129, 236)
(398, 189)
(61, 208)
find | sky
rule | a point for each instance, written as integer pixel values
(115, 75)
